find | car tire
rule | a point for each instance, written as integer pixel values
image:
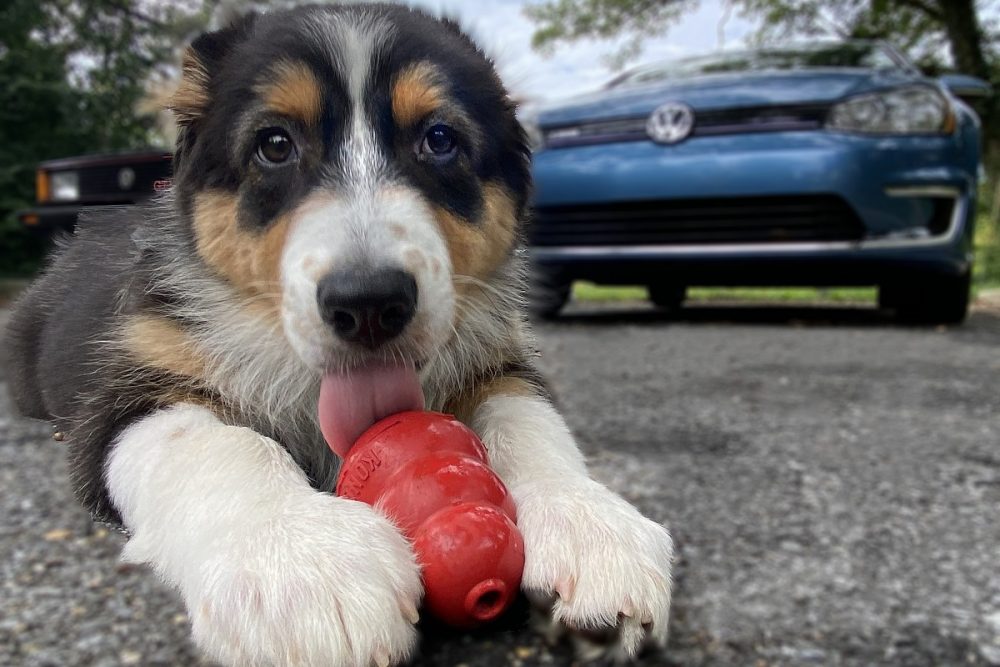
(668, 297)
(928, 300)
(548, 292)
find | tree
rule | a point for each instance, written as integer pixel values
(920, 27)
(72, 75)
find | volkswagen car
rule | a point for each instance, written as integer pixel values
(825, 165)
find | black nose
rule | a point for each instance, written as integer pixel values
(368, 307)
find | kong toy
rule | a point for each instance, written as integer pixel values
(428, 472)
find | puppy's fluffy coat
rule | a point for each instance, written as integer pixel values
(180, 347)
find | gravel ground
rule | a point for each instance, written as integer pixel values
(832, 481)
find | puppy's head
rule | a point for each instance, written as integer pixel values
(352, 167)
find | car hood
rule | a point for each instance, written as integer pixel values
(721, 91)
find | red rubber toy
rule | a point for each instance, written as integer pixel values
(428, 472)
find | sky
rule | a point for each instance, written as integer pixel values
(503, 30)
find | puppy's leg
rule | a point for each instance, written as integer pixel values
(272, 572)
(607, 564)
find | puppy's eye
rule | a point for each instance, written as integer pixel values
(439, 142)
(274, 146)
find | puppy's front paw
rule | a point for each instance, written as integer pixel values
(325, 582)
(608, 566)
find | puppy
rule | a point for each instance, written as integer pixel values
(343, 230)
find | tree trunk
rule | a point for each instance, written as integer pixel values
(964, 36)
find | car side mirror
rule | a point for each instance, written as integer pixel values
(965, 86)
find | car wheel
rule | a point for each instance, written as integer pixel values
(548, 292)
(669, 297)
(928, 300)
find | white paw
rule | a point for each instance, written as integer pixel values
(607, 565)
(322, 582)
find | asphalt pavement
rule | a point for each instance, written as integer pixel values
(832, 481)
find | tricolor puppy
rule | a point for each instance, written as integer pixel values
(343, 230)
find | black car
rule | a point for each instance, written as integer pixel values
(65, 187)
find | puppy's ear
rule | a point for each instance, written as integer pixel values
(201, 59)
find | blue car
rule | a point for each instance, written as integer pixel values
(823, 165)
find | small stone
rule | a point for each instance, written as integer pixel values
(130, 657)
(15, 627)
(993, 620)
(57, 535)
(991, 654)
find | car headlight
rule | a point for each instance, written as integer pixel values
(911, 110)
(64, 185)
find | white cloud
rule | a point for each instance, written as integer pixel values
(501, 27)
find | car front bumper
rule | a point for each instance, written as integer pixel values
(47, 219)
(894, 186)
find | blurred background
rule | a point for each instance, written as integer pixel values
(753, 290)
(87, 78)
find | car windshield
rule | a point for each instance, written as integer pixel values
(847, 54)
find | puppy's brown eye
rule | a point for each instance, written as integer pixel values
(440, 142)
(274, 147)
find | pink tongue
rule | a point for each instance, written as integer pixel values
(351, 402)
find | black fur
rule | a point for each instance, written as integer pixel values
(56, 367)
(236, 59)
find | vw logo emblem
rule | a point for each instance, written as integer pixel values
(126, 178)
(670, 123)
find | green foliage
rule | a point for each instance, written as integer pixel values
(72, 75)
(987, 267)
(925, 30)
(910, 30)
(572, 19)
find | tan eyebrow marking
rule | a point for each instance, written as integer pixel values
(416, 93)
(294, 91)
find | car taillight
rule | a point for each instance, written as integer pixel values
(41, 186)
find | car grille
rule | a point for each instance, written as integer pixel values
(785, 219)
(707, 123)
(100, 183)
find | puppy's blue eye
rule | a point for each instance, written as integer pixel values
(439, 141)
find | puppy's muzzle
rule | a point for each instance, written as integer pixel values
(365, 306)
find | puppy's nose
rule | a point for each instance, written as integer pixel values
(368, 307)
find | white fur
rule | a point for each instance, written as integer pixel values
(355, 42)
(358, 231)
(371, 221)
(607, 564)
(272, 572)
